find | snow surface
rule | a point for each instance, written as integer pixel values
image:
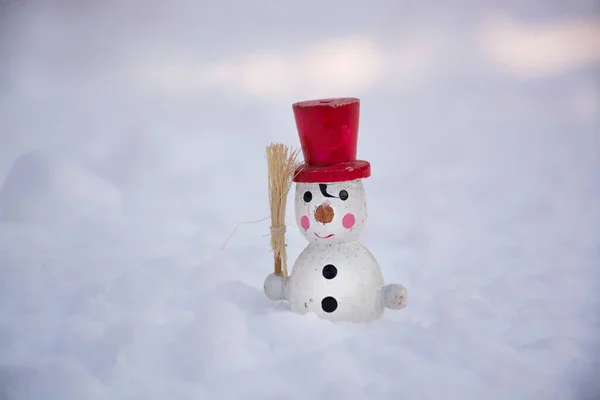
(115, 204)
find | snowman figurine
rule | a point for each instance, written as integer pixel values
(335, 277)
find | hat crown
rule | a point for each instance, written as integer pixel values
(328, 129)
(328, 132)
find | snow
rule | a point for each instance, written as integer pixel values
(39, 185)
(116, 202)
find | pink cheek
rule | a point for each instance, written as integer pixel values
(348, 221)
(305, 222)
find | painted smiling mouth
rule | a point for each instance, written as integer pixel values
(323, 237)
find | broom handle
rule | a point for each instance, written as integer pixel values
(279, 234)
(278, 270)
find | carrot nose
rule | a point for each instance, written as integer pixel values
(324, 214)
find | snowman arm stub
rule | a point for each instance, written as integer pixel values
(275, 287)
(394, 296)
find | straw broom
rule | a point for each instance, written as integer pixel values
(282, 162)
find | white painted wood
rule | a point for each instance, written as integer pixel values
(335, 277)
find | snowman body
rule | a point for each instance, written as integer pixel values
(337, 282)
(335, 276)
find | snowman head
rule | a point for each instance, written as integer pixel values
(329, 213)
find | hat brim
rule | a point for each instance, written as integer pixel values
(340, 172)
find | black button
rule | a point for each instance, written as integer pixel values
(329, 271)
(329, 304)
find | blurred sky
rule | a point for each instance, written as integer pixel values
(273, 50)
(90, 78)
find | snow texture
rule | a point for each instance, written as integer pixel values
(39, 185)
(484, 202)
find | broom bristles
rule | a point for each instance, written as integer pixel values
(282, 163)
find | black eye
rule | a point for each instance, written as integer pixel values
(307, 197)
(343, 195)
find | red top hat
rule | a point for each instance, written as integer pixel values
(328, 131)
